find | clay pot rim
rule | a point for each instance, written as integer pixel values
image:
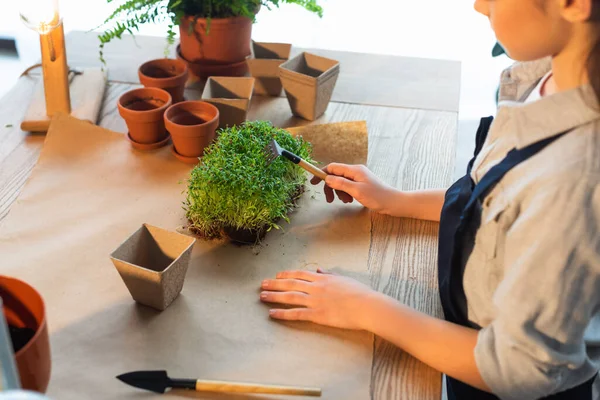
(218, 21)
(160, 109)
(169, 122)
(170, 81)
(41, 325)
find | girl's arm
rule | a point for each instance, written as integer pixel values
(444, 346)
(345, 303)
(419, 204)
(356, 182)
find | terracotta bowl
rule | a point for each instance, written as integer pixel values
(205, 70)
(165, 73)
(192, 125)
(24, 308)
(143, 110)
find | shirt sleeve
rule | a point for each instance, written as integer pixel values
(535, 347)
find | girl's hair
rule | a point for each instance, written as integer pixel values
(593, 61)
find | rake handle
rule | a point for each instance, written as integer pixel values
(304, 164)
(312, 169)
(239, 387)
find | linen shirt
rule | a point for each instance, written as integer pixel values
(532, 281)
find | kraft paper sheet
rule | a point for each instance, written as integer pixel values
(90, 190)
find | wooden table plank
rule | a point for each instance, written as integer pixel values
(367, 79)
(410, 149)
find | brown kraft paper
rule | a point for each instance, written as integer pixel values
(90, 190)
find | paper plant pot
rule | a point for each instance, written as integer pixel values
(264, 66)
(231, 95)
(308, 81)
(153, 262)
(24, 308)
(143, 110)
(164, 73)
(192, 125)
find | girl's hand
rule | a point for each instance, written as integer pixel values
(352, 182)
(321, 298)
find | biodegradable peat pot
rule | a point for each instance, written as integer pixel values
(164, 73)
(143, 110)
(192, 125)
(308, 81)
(227, 41)
(25, 313)
(231, 96)
(204, 69)
(153, 263)
(264, 66)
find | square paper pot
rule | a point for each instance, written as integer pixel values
(153, 262)
(308, 81)
(231, 95)
(264, 66)
(271, 51)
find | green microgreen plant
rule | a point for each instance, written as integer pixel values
(235, 187)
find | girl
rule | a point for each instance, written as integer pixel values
(519, 242)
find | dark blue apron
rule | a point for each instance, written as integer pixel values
(460, 219)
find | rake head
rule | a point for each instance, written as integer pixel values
(272, 151)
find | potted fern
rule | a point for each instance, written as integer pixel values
(212, 32)
(235, 192)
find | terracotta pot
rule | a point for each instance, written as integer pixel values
(192, 125)
(24, 308)
(227, 42)
(308, 81)
(143, 110)
(153, 263)
(164, 73)
(205, 69)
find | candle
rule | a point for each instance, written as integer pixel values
(43, 17)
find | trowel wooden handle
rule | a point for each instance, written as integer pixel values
(239, 387)
(312, 169)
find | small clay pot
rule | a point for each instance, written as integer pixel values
(165, 73)
(227, 41)
(143, 110)
(24, 310)
(204, 69)
(192, 125)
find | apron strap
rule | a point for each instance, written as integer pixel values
(496, 173)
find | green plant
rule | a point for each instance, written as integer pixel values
(131, 14)
(235, 187)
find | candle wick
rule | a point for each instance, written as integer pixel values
(51, 48)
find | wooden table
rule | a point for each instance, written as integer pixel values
(410, 106)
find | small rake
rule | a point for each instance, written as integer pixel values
(273, 150)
